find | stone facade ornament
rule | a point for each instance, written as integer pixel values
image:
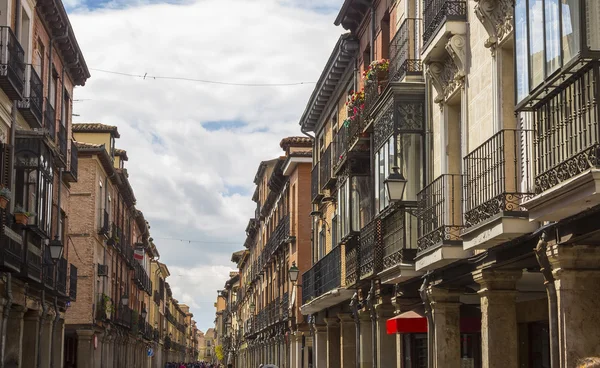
(447, 75)
(456, 48)
(497, 18)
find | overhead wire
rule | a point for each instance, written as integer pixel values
(197, 241)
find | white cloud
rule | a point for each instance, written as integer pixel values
(192, 182)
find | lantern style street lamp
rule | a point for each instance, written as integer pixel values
(125, 300)
(293, 273)
(395, 184)
(252, 308)
(144, 313)
(56, 249)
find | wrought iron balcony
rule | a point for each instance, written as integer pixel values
(61, 276)
(399, 237)
(103, 306)
(72, 282)
(352, 260)
(315, 187)
(280, 236)
(71, 173)
(324, 276)
(404, 51)
(493, 177)
(62, 142)
(48, 270)
(438, 12)
(123, 316)
(285, 302)
(340, 148)
(373, 88)
(34, 266)
(11, 249)
(370, 249)
(326, 176)
(12, 64)
(440, 215)
(49, 119)
(104, 228)
(31, 104)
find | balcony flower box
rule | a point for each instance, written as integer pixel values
(22, 216)
(5, 195)
(377, 71)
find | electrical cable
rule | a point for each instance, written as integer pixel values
(196, 241)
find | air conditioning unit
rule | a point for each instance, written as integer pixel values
(102, 270)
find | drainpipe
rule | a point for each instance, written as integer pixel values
(373, 315)
(430, 325)
(5, 315)
(372, 56)
(354, 307)
(54, 323)
(41, 324)
(546, 269)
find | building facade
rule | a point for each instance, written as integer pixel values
(39, 280)
(454, 160)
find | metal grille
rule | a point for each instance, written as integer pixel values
(62, 140)
(493, 177)
(50, 119)
(370, 249)
(438, 12)
(340, 147)
(439, 209)
(324, 276)
(325, 168)
(315, 188)
(404, 51)
(73, 282)
(11, 249)
(73, 162)
(567, 137)
(399, 237)
(61, 276)
(13, 63)
(352, 261)
(48, 267)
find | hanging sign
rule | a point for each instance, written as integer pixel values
(138, 254)
(150, 352)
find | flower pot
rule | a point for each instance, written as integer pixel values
(3, 202)
(382, 75)
(21, 218)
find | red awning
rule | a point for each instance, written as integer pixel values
(414, 321)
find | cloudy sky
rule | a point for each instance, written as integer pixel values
(194, 147)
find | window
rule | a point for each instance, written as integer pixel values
(64, 109)
(334, 231)
(360, 202)
(52, 88)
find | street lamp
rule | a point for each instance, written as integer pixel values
(125, 300)
(252, 308)
(395, 184)
(56, 249)
(144, 313)
(293, 273)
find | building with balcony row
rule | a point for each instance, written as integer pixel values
(125, 307)
(454, 193)
(40, 63)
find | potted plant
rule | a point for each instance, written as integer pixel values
(22, 216)
(5, 195)
(377, 70)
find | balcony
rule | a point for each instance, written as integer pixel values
(352, 261)
(71, 173)
(123, 316)
(62, 142)
(104, 227)
(61, 277)
(49, 119)
(34, 266)
(373, 89)
(315, 188)
(30, 105)
(280, 236)
(322, 284)
(493, 194)
(72, 282)
(11, 250)
(440, 18)
(12, 64)
(404, 52)
(399, 236)
(439, 223)
(567, 151)
(370, 249)
(48, 270)
(327, 179)
(340, 148)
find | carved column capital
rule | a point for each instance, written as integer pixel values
(434, 71)
(457, 49)
(497, 19)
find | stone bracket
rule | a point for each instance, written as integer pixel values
(497, 19)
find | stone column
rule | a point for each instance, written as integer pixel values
(446, 315)
(320, 345)
(333, 342)
(14, 335)
(58, 344)
(499, 338)
(366, 340)
(576, 270)
(31, 328)
(294, 348)
(85, 347)
(46, 341)
(347, 341)
(386, 344)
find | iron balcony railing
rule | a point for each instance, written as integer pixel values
(279, 237)
(73, 161)
(324, 276)
(48, 269)
(34, 266)
(11, 250)
(494, 172)
(49, 119)
(12, 64)
(315, 188)
(104, 227)
(439, 212)
(567, 139)
(123, 316)
(399, 237)
(285, 303)
(61, 276)
(326, 174)
(373, 88)
(352, 260)
(72, 282)
(62, 141)
(438, 12)
(32, 101)
(104, 308)
(370, 249)
(340, 147)
(404, 51)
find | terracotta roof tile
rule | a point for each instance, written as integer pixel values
(83, 145)
(295, 142)
(121, 153)
(96, 128)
